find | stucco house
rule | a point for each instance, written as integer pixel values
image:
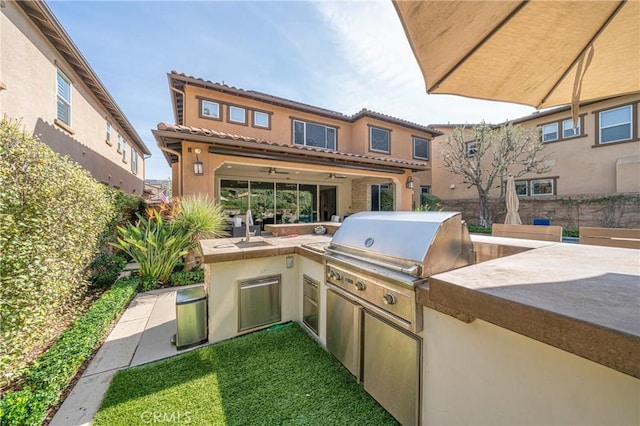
(47, 84)
(594, 163)
(288, 161)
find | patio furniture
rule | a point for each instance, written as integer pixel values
(610, 237)
(530, 232)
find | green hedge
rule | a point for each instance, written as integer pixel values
(180, 278)
(54, 369)
(52, 215)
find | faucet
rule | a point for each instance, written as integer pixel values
(248, 221)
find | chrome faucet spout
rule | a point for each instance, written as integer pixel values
(248, 221)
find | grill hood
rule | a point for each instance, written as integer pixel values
(415, 243)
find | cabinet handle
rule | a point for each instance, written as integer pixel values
(246, 287)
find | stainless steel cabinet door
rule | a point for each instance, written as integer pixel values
(343, 331)
(391, 371)
(259, 302)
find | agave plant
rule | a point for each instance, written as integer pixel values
(199, 217)
(155, 244)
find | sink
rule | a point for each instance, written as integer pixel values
(248, 244)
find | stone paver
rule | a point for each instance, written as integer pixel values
(141, 335)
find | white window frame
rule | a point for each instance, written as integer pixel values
(533, 181)
(425, 189)
(124, 150)
(61, 100)
(233, 108)
(119, 147)
(471, 148)
(526, 187)
(387, 131)
(575, 131)
(134, 161)
(205, 104)
(544, 133)
(414, 148)
(304, 134)
(108, 132)
(268, 117)
(630, 122)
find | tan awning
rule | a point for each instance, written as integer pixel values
(538, 53)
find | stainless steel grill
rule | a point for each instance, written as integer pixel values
(373, 265)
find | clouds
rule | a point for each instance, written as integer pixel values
(383, 73)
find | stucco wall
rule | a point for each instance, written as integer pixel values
(580, 165)
(28, 69)
(482, 374)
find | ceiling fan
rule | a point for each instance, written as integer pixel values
(273, 171)
(335, 176)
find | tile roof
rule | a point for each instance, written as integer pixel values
(212, 136)
(179, 79)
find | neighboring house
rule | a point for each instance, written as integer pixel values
(153, 188)
(598, 159)
(47, 84)
(288, 161)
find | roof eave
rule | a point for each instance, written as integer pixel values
(40, 14)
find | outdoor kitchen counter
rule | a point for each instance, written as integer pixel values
(580, 298)
(227, 249)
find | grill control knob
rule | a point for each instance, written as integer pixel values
(360, 285)
(335, 275)
(389, 299)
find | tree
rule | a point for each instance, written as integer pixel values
(484, 154)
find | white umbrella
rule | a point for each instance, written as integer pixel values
(513, 218)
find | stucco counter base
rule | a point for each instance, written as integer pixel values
(582, 299)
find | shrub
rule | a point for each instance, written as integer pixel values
(429, 203)
(570, 233)
(54, 369)
(187, 277)
(479, 229)
(155, 244)
(106, 268)
(200, 217)
(52, 213)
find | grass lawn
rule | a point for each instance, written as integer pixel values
(279, 376)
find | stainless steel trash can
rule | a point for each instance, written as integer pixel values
(191, 317)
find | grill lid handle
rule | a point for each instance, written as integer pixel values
(415, 270)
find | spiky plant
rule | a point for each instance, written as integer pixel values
(200, 217)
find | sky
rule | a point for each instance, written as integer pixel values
(343, 56)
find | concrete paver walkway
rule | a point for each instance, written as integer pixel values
(141, 335)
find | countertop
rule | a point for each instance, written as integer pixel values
(580, 298)
(227, 249)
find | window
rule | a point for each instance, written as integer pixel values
(379, 140)
(425, 189)
(237, 114)
(522, 188)
(382, 197)
(210, 109)
(64, 98)
(108, 133)
(542, 187)
(472, 149)
(420, 148)
(124, 151)
(568, 131)
(261, 119)
(550, 132)
(311, 134)
(120, 140)
(134, 161)
(615, 125)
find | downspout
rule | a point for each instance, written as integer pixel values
(179, 155)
